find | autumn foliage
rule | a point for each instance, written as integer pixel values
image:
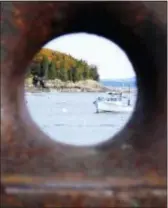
(56, 65)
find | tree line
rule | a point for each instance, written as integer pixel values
(51, 65)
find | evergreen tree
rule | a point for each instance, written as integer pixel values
(52, 71)
(44, 67)
(66, 75)
(85, 73)
(79, 74)
(63, 74)
(69, 73)
(74, 75)
(94, 73)
(58, 74)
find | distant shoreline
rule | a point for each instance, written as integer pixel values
(72, 90)
(80, 86)
(60, 86)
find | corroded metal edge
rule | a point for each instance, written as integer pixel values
(99, 198)
(74, 178)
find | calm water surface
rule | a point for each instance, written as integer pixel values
(71, 117)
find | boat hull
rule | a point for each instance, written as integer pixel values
(112, 107)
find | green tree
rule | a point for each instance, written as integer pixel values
(85, 73)
(44, 67)
(52, 71)
(69, 74)
(58, 73)
(94, 73)
(63, 75)
(66, 75)
(79, 74)
(74, 75)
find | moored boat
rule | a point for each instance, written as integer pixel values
(113, 102)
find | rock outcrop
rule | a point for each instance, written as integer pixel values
(80, 86)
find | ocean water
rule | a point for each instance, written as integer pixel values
(70, 117)
(120, 83)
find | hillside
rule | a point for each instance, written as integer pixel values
(52, 65)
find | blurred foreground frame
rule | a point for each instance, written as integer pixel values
(129, 170)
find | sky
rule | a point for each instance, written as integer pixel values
(110, 59)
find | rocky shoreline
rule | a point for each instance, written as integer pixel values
(58, 85)
(81, 86)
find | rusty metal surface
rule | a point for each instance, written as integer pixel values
(83, 192)
(94, 198)
(141, 31)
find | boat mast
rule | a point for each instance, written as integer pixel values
(129, 101)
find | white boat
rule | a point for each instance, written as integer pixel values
(113, 102)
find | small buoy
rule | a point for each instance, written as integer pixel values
(64, 110)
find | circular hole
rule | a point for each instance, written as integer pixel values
(81, 89)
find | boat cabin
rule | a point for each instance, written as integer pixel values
(112, 96)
